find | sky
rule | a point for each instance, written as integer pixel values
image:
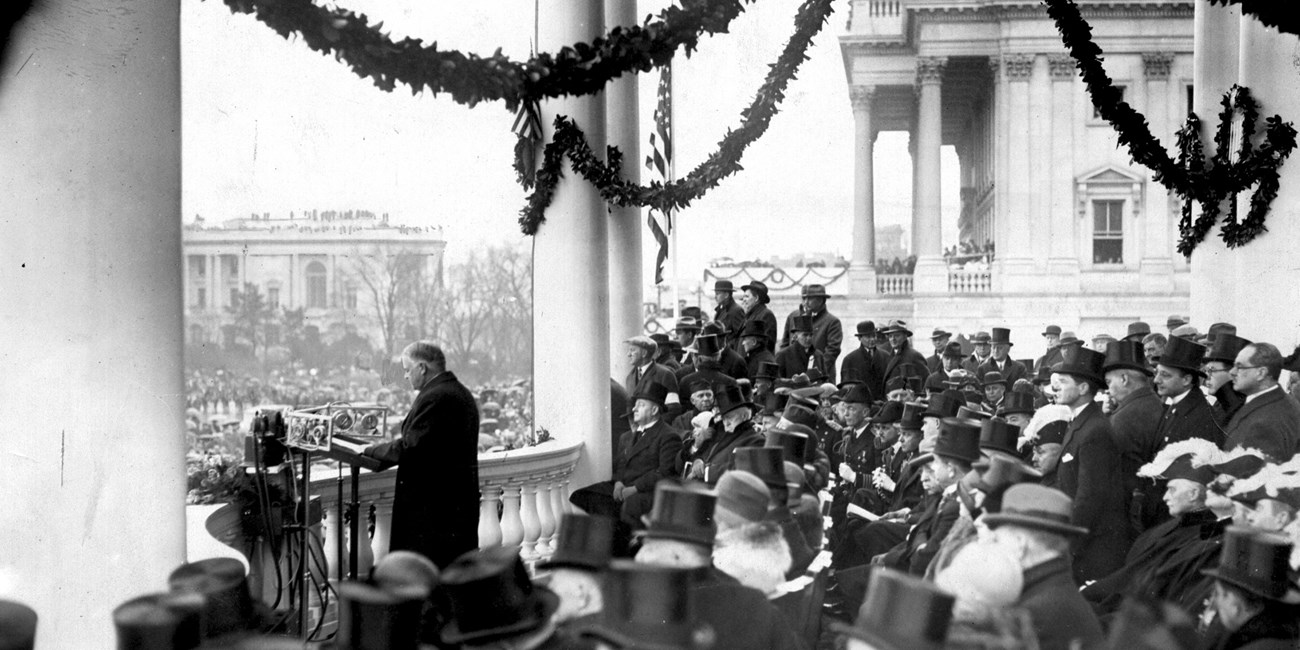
(271, 126)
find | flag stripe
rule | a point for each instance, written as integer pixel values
(660, 161)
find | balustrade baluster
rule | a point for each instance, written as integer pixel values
(528, 517)
(383, 529)
(489, 527)
(545, 518)
(512, 527)
(333, 532)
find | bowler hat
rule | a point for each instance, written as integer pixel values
(857, 394)
(1174, 321)
(1052, 330)
(1126, 355)
(1184, 355)
(981, 337)
(649, 607)
(792, 442)
(866, 328)
(801, 324)
(688, 324)
(944, 405)
(1001, 471)
(583, 542)
(759, 289)
(152, 622)
(959, 439)
(1137, 331)
(754, 328)
(490, 596)
(912, 418)
(1017, 402)
(814, 291)
(1029, 505)
(1001, 335)
(17, 626)
(890, 413)
(992, 378)
(1226, 347)
(731, 398)
(1257, 562)
(374, 617)
(1068, 338)
(999, 435)
(895, 326)
(901, 612)
(940, 334)
(707, 345)
(723, 286)
(1218, 329)
(953, 350)
(682, 512)
(1084, 364)
(652, 391)
(767, 463)
(223, 582)
(1052, 433)
(766, 370)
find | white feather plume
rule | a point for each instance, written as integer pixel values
(1043, 417)
(1203, 452)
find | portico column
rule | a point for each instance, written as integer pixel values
(623, 124)
(1013, 266)
(1154, 219)
(92, 467)
(862, 272)
(1063, 256)
(571, 271)
(927, 224)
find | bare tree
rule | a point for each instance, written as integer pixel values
(389, 274)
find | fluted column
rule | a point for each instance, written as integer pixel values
(1063, 257)
(862, 276)
(1155, 221)
(1013, 243)
(927, 214)
(623, 130)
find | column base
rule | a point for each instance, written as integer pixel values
(862, 281)
(930, 276)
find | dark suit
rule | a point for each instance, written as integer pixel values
(794, 359)
(913, 555)
(1270, 423)
(436, 500)
(705, 371)
(1089, 474)
(659, 374)
(828, 337)
(1050, 359)
(759, 312)
(733, 365)
(1190, 418)
(732, 317)
(1010, 368)
(718, 453)
(906, 356)
(867, 366)
(1135, 424)
(643, 459)
(972, 365)
(1061, 617)
(719, 601)
(756, 358)
(933, 364)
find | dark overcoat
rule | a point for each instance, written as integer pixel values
(1061, 617)
(762, 314)
(867, 366)
(827, 340)
(1269, 423)
(1135, 424)
(1089, 474)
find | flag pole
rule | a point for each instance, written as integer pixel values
(672, 215)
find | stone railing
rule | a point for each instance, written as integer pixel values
(894, 284)
(524, 493)
(970, 280)
(878, 18)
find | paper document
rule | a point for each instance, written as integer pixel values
(858, 511)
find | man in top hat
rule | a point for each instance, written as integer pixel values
(754, 300)
(895, 478)
(816, 460)
(949, 360)
(940, 338)
(1088, 472)
(1254, 600)
(727, 312)
(801, 354)
(1052, 335)
(900, 612)
(680, 533)
(1017, 408)
(1034, 526)
(1218, 378)
(685, 331)
(1268, 421)
(584, 547)
(733, 364)
(983, 351)
(827, 333)
(1000, 360)
(857, 453)
(664, 353)
(1187, 413)
(646, 454)
(1174, 322)
(995, 389)
(1135, 420)
(1165, 562)
(706, 367)
(644, 371)
(867, 363)
(1137, 331)
(902, 355)
(712, 452)
(647, 606)
(754, 349)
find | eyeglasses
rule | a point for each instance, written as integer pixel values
(1238, 366)
(1210, 371)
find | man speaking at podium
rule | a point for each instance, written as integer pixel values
(435, 507)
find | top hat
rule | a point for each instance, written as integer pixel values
(1001, 335)
(723, 286)
(1052, 433)
(688, 324)
(1002, 471)
(1226, 347)
(1083, 363)
(1137, 329)
(649, 607)
(652, 391)
(1052, 330)
(682, 512)
(1184, 355)
(814, 291)
(583, 542)
(992, 378)
(981, 337)
(1256, 562)
(913, 415)
(890, 413)
(17, 626)
(1017, 402)
(1126, 354)
(902, 612)
(489, 597)
(1035, 506)
(999, 435)
(660, 339)
(959, 439)
(731, 398)
(374, 617)
(857, 394)
(766, 370)
(152, 622)
(944, 405)
(797, 414)
(791, 440)
(968, 413)
(940, 334)
(707, 345)
(866, 328)
(759, 289)
(953, 349)
(896, 326)
(223, 583)
(801, 324)
(767, 463)
(754, 328)
(1042, 375)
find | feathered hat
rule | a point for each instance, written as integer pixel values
(1043, 417)
(1186, 459)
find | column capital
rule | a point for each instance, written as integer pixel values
(1157, 64)
(929, 69)
(861, 96)
(1018, 67)
(1061, 66)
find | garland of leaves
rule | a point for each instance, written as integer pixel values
(1191, 177)
(582, 69)
(1278, 15)
(570, 141)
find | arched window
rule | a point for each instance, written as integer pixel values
(317, 296)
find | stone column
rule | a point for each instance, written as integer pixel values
(1156, 269)
(862, 272)
(931, 274)
(92, 468)
(1013, 267)
(1063, 256)
(571, 274)
(623, 126)
(1040, 120)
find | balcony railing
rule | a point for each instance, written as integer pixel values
(878, 19)
(970, 280)
(894, 284)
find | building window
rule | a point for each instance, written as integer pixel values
(1123, 96)
(350, 296)
(1107, 232)
(234, 297)
(201, 297)
(317, 296)
(273, 295)
(1191, 96)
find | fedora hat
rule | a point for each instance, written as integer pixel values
(759, 289)
(1017, 402)
(857, 394)
(1175, 321)
(1052, 330)
(901, 612)
(370, 616)
(661, 340)
(1137, 331)
(814, 291)
(682, 512)
(1184, 355)
(866, 328)
(489, 596)
(1083, 363)
(896, 326)
(981, 337)
(767, 463)
(721, 286)
(889, 413)
(1042, 375)
(1029, 505)
(913, 416)
(688, 324)
(766, 370)
(944, 405)
(1257, 562)
(223, 583)
(583, 542)
(754, 328)
(1218, 329)
(959, 439)
(1126, 354)
(652, 391)
(798, 414)
(801, 324)
(953, 350)
(1001, 335)
(1068, 338)
(17, 626)
(999, 435)
(649, 606)
(707, 345)
(940, 334)
(792, 442)
(993, 378)
(154, 622)
(1001, 471)
(1226, 347)
(731, 398)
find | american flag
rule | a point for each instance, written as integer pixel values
(528, 127)
(660, 161)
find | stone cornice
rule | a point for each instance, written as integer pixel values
(963, 12)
